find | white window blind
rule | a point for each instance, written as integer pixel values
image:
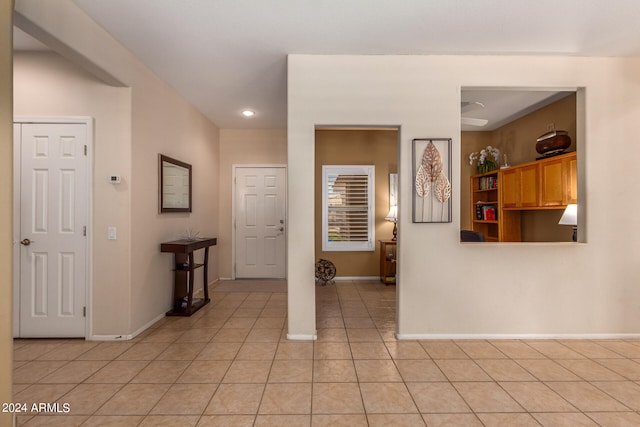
(348, 208)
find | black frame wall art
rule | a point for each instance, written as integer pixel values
(431, 180)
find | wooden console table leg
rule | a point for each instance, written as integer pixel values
(191, 281)
(206, 268)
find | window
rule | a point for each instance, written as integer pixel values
(347, 208)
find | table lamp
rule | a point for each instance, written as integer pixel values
(570, 217)
(393, 217)
(393, 204)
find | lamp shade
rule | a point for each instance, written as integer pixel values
(570, 216)
(393, 214)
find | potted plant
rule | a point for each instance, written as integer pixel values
(488, 159)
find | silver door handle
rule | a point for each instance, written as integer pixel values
(26, 242)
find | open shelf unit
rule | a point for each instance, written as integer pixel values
(487, 215)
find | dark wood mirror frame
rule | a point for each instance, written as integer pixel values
(175, 185)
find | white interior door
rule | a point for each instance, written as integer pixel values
(260, 223)
(53, 219)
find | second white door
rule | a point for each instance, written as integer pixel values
(260, 223)
(53, 221)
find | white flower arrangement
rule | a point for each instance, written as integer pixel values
(488, 159)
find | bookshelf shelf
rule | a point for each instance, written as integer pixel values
(487, 214)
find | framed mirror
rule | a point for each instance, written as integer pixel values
(175, 185)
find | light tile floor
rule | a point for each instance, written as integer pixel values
(231, 365)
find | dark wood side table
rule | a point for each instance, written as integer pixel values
(185, 266)
(388, 256)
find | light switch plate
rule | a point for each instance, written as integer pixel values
(111, 233)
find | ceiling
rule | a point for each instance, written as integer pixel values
(228, 55)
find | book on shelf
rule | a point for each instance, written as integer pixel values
(486, 212)
(488, 182)
(489, 213)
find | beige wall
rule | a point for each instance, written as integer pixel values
(154, 120)
(164, 123)
(242, 147)
(357, 147)
(6, 209)
(45, 84)
(518, 140)
(448, 289)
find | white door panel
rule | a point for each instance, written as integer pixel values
(260, 203)
(53, 217)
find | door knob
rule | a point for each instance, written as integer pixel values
(25, 242)
(281, 229)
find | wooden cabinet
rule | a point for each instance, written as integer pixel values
(552, 183)
(543, 184)
(559, 181)
(520, 187)
(388, 257)
(510, 188)
(529, 186)
(570, 173)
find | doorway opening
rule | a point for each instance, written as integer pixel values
(362, 287)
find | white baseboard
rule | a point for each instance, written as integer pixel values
(140, 330)
(356, 278)
(109, 338)
(517, 336)
(302, 337)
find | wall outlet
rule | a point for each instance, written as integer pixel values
(115, 179)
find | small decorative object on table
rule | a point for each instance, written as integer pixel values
(552, 143)
(488, 159)
(191, 235)
(325, 271)
(505, 162)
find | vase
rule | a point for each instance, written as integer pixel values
(487, 166)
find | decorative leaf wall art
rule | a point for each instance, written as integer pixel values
(432, 180)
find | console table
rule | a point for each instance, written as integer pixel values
(183, 302)
(388, 256)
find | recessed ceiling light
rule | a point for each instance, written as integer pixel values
(248, 113)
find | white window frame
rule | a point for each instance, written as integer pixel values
(332, 170)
